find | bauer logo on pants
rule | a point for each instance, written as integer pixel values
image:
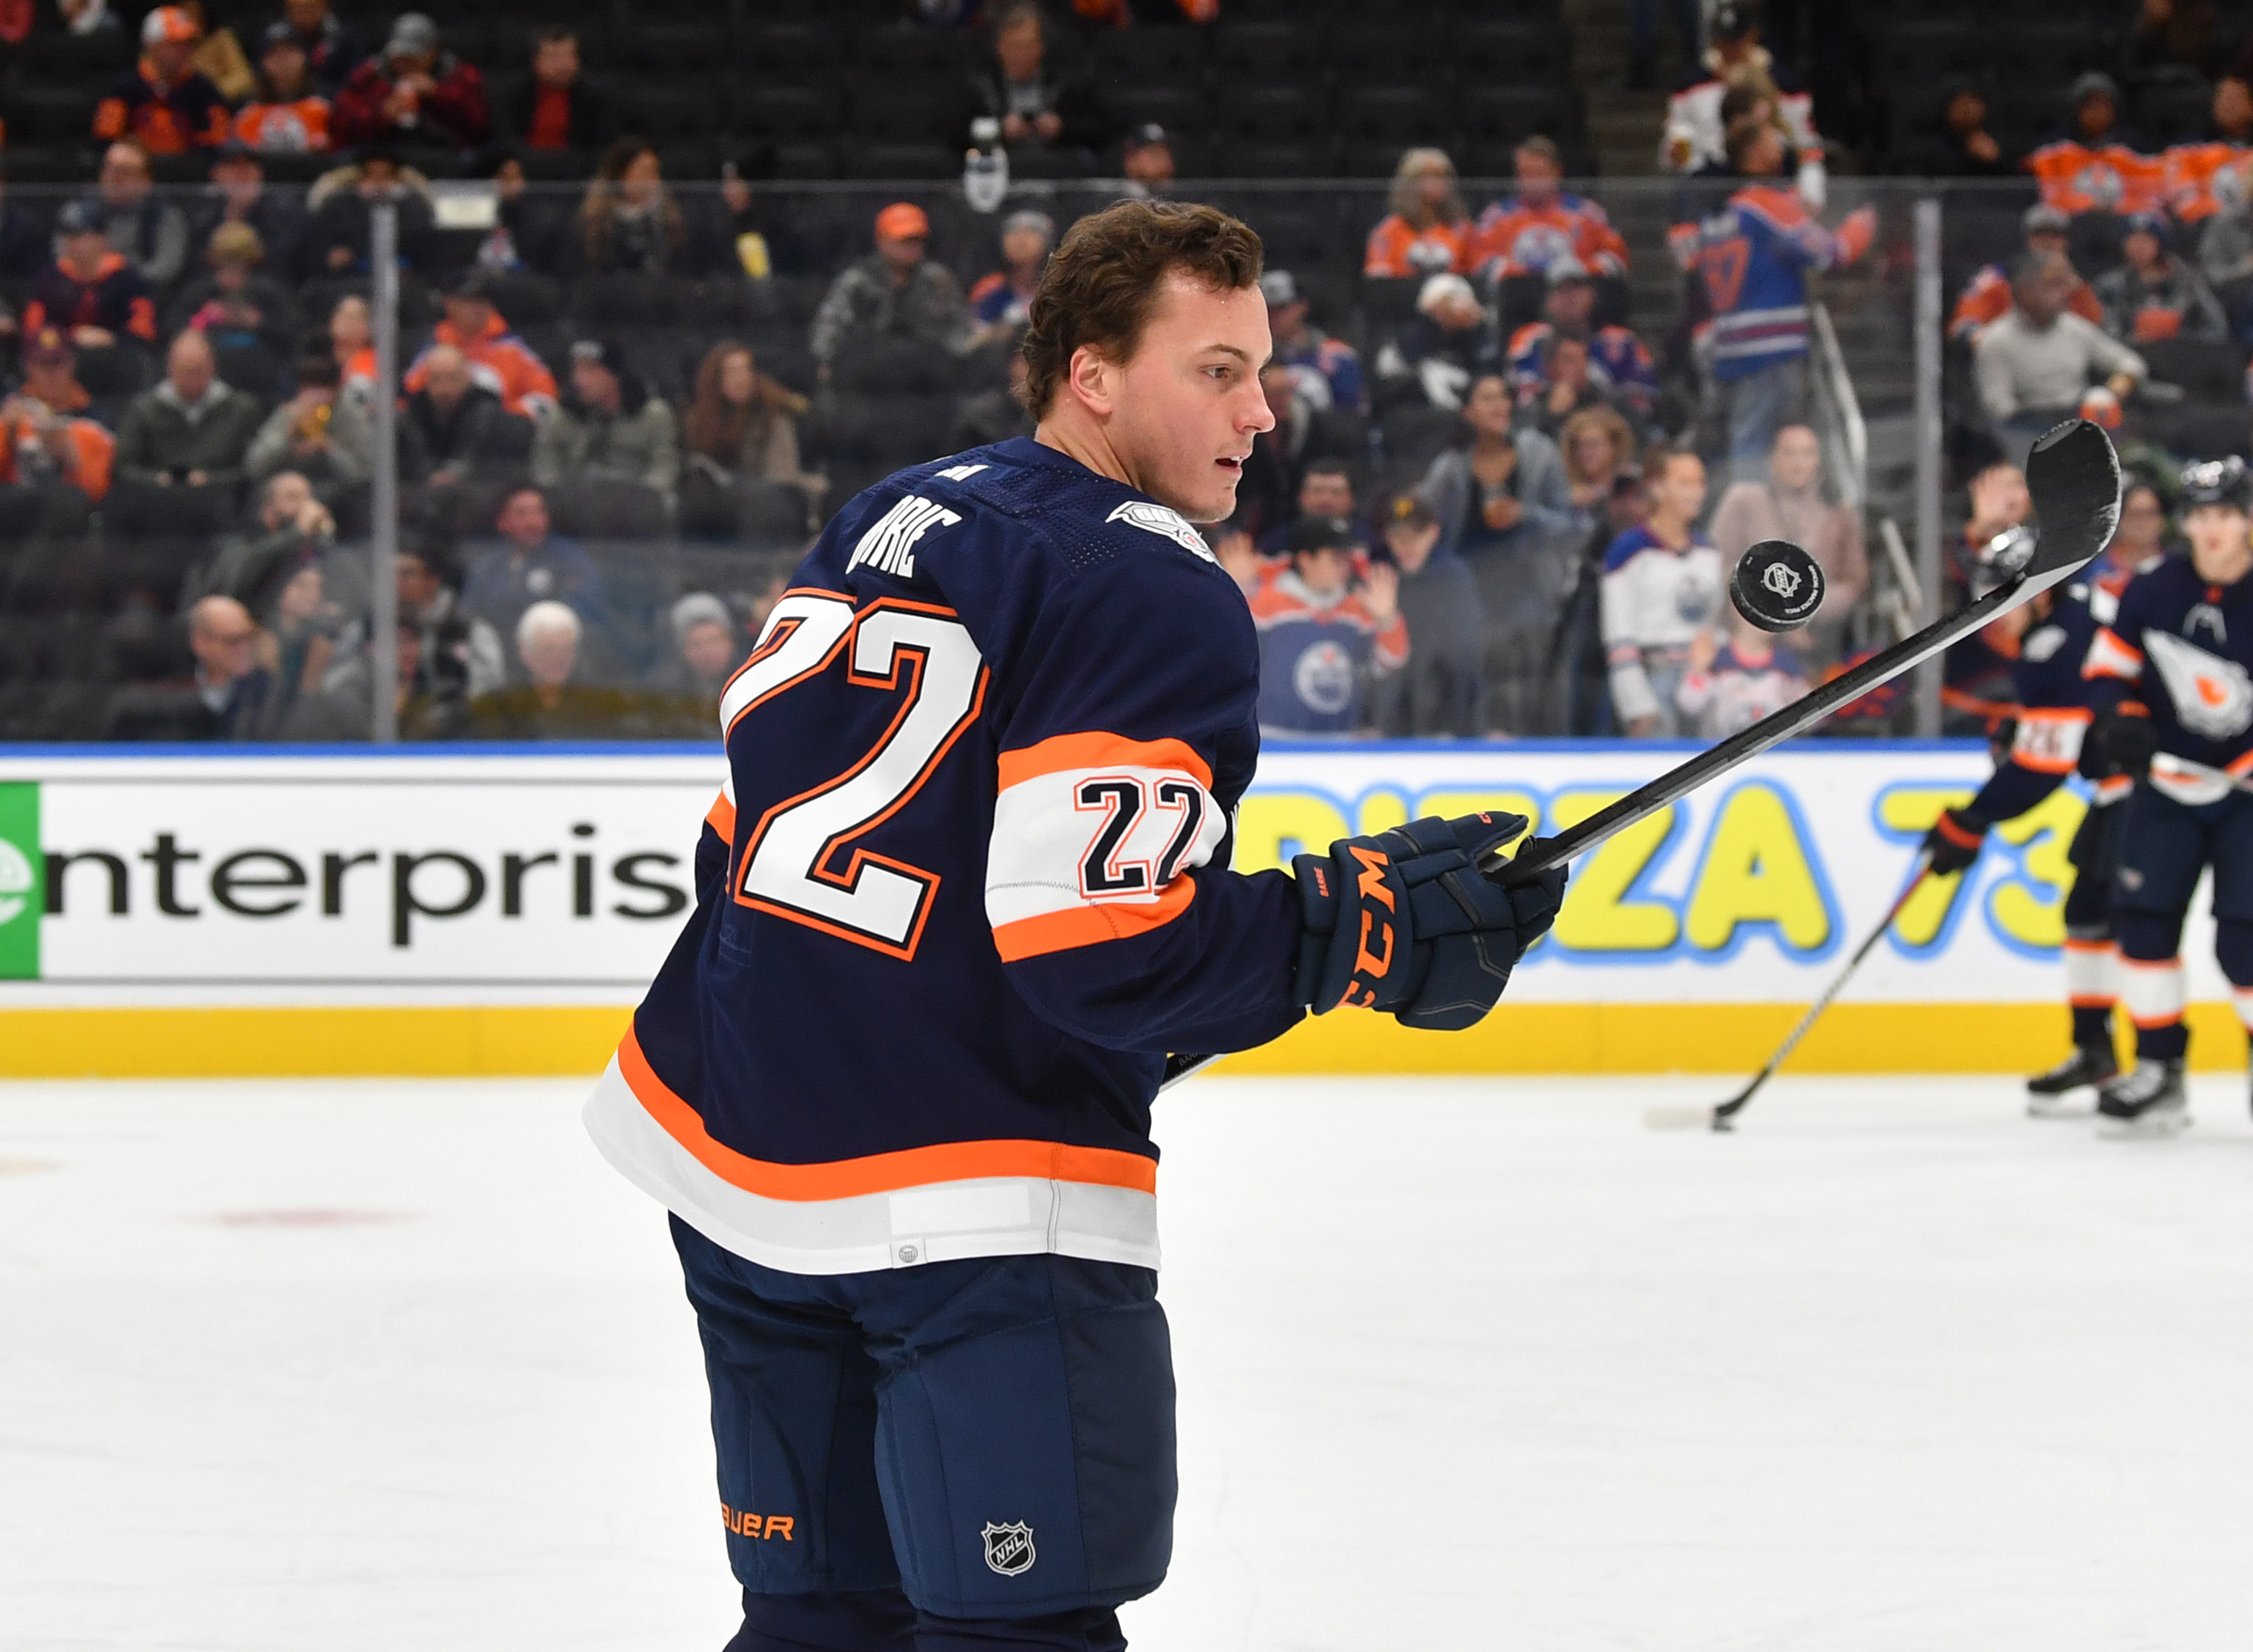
(1009, 1548)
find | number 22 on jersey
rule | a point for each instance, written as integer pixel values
(917, 652)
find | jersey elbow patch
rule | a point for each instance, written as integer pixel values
(1094, 838)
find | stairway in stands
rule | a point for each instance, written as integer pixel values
(1623, 129)
(1871, 313)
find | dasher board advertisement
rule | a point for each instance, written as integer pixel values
(524, 876)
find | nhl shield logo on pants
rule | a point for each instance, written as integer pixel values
(1009, 1548)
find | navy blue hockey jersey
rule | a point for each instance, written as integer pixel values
(966, 885)
(2182, 647)
(2055, 697)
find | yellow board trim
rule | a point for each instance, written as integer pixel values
(529, 1041)
(298, 1042)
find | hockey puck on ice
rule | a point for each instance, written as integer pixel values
(1776, 586)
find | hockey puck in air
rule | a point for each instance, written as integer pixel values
(1777, 586)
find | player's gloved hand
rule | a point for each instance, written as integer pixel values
(1954, 841)
(2125, 742)
(1405, 922)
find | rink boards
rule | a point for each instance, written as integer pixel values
(497, 911)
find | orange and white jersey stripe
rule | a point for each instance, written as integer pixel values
(1094, 838)
(888, 1209)
(721, 817)
(2196, 784)
(2112, 655)
(2049, 738)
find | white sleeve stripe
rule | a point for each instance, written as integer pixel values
(1047, 831)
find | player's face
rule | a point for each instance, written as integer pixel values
(2218, 546)
(1187, 404)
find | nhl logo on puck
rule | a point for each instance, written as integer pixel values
(1009, 1548)
(1777, 586)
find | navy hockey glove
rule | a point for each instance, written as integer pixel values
(2125, 742)
(1954, 841)
(1405, 922)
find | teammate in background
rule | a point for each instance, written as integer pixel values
(2173, 708)
(966, 885)
(1322, 637)
(1662, 587)
(2046, 642)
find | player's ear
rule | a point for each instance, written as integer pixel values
(1093, 377)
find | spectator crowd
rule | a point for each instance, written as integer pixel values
(1490, 505)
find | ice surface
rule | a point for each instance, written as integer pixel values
(1464, 1364)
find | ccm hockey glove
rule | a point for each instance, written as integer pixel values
(2124, 739)
(1405, 922)
(1954, 841)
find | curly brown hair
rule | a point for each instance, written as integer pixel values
(1103, 281)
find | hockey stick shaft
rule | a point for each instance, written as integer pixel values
(2073, 476)
(1748, 743)
(1711, 764)
(1730, 1107)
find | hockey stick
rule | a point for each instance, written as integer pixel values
(1718, 1118)
(2073, 476)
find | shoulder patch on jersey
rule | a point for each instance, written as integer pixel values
(962, 472)
(1153, 518)
(2213, 697)
(2042, 645)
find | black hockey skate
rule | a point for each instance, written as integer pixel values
(2050, 1095)
(2147, 1101)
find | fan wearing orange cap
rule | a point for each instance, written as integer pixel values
(165, 101)
(894, 293)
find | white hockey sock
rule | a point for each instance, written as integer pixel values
(2092, 974)
(2152, 992)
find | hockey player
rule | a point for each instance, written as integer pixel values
(2174, 705)
(966, 885)
(2046, 642)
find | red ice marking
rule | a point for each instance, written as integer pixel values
(308, 1218)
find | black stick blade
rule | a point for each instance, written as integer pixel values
(1776, 586)
(2074, 478)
